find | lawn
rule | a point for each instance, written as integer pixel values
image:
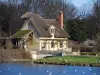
(72, 60)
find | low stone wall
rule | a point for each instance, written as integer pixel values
(70, 53)
(75, 53)
(38, 55)
(14, 54)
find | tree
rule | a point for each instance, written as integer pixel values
(85, 11)
(96, 13)
(93, 18)
(6, 12)
(76, 29)
(47, 8)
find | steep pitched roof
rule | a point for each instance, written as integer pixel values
(42, 25)
(59, 31)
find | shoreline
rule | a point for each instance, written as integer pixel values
(16, 61)
(69, 64)
(71, 61)
(48, 63)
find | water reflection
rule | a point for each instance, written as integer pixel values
(27, 69)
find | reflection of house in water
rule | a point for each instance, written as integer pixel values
(41, 34)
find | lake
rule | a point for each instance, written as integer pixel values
(28, 69)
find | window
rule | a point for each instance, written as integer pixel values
(61, 44)
(52, 44)
(52, 31)
(43, 44)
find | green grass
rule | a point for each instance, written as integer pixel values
(71, 59)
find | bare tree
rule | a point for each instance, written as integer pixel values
(85, 10)
(47, 8)
(96, 13)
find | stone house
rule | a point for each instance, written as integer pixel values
(41, 34)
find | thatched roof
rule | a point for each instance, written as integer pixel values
(21, 33)
(41, 25)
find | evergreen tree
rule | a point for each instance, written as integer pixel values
(76, 29)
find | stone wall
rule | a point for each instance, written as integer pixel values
(14, 54)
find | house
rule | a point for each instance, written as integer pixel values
(41, 34)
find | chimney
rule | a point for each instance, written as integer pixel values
(61, 20)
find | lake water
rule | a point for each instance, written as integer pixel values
(26, 69)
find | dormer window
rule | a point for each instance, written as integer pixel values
(52, 31)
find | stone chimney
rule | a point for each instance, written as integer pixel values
(60, 19)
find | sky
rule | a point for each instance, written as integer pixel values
(78, 3)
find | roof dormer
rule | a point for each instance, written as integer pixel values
(52, 31)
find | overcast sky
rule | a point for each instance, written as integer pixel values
(78, 3)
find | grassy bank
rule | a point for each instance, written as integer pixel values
(71, 60)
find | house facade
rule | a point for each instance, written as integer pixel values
(41, 34)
